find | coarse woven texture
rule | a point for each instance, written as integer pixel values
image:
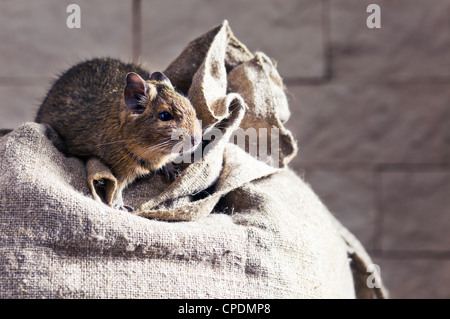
(222, 229)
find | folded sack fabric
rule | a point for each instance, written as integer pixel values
(232, 225)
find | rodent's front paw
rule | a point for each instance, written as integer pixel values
(171, 171)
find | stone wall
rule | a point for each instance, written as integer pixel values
(370, 107)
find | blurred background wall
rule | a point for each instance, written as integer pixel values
(370, 107)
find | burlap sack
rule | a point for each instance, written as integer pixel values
(232, 225)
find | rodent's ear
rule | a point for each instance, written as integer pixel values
(135, 91)
(161, 77)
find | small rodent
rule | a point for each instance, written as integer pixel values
(105, 108)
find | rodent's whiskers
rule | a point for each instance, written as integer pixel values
(220, 125)
(147, 152)
(144, 153)
(122, 159)
(235, 104)
(156, 147)
(123, 141)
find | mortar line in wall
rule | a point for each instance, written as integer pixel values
(382, 167)
(336, 166)
(377, 197)
(326, 32)
(305, 81)
(312, 81)
(25, 81)
(415, 167)
(410, 254)
(136, 29)
(326, 47)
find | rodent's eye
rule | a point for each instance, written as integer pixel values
(165, 116)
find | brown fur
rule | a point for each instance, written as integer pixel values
(86, 107)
